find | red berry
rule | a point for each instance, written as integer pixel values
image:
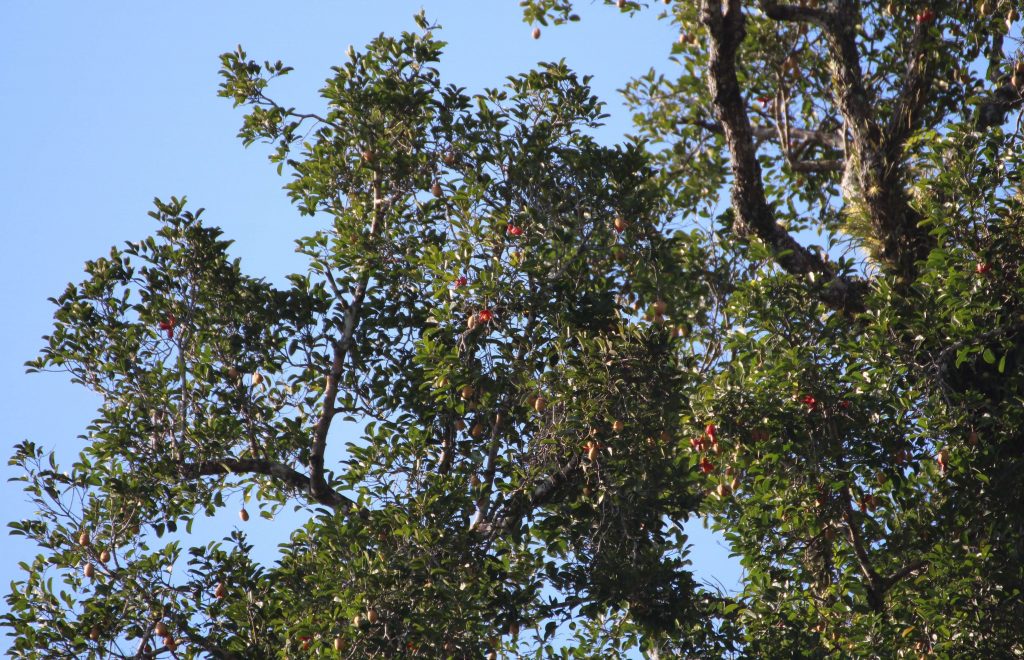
(925, 17)
(711, 431)
(844, 404)
(982, 267)
(810, 402)
(485, 315)
(168, 325)
(706, 466)
(461, 281)
(515, 231)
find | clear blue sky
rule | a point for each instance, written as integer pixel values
(106, 105)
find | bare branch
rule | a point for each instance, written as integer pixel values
(831, 139)
(318, 487)
(795, 13)
(490, 469)
(917, 83)
(877, 158)
(903, 572)
(875, 585)
(753, 214)
(818, 165)
(279, 471)
(520, 503)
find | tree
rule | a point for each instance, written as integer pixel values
(561, 351)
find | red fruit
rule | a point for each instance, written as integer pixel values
(844, 404)
(485, 315)
(620, 224)
(515, 231)
(942, 458)
(536, 33)
(810, 402)
(982, 268)
(220, 591)
(168, 325)
(305, 639)
(706, 466)
(435, 189)
(925, 16)
(696, 443)
(461, 281)
(711, 431)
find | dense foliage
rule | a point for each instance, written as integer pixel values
(792, 304)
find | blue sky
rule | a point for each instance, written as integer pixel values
(108, 105)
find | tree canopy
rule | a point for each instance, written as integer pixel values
(790, 304)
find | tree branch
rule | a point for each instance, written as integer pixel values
(753, 214)
(521, 502)
(834, 165)
(318, 487)
(795, 13)
(898, 575)
(490, 468)
(875, 585)
(910, 102)
(279, 471)
(877, 157)
(831, 139)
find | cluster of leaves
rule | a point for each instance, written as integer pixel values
(560, 351)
